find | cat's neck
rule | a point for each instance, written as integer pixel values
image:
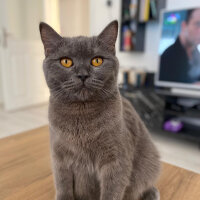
(86, 107)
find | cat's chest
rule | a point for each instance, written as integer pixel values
(83, 122)
(83, 162)
(79, 132)
(75, 124)
(78, 154)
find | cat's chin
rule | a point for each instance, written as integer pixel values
(83, 93)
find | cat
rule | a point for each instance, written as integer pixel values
(100, 148)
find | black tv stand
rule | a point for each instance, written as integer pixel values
(165, 107)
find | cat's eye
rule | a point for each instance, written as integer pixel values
(66, 62)
(97, 61)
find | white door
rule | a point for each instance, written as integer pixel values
(22, 53)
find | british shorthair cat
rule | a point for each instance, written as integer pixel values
(100, 148)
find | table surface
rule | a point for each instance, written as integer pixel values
(25, 171)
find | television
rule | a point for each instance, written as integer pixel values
(179, 50)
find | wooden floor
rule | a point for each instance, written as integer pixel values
(25, 172)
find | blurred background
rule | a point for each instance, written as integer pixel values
(169, 108)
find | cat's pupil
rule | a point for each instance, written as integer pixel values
(97, 60)
(66, 61)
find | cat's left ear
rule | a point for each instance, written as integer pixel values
(49, 37)
(109, 34)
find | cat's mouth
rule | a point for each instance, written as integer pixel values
(83, 86)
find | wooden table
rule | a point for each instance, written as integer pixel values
(25, 172)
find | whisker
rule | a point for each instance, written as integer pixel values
(68, 82)
(96, 86)
(107, 91)
(104, 91)
(97, 81)
(68, 86)
(58, 93)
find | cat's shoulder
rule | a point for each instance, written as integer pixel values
(129, 112)
(126, 103)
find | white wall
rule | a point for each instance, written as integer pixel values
(101, 15)
(23, 17)
(51, 13)
(74, 17)
(177, 4)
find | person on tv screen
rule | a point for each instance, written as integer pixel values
(180, 62)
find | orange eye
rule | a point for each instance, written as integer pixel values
(97, 61)
(66, 62)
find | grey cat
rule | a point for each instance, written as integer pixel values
(100, 148)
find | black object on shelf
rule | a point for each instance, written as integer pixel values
(109, 3)
(155, 7)
(149, 82)
(126, 86)
(126, 82)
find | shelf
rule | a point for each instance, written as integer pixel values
(160, 113)
(131, 38)
(181, 113)
(189, 136)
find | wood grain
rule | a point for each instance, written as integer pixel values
(25, 171)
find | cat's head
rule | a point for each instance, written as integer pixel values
(80, 68)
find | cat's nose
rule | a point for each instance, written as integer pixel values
(83, 77)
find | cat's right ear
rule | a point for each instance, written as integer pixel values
(49, 37)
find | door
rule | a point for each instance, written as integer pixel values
(22, 52)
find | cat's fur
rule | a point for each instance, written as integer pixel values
(100, 148)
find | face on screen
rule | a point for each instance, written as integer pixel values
(180, 52)
(192, 28)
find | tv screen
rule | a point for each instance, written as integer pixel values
(179, 49)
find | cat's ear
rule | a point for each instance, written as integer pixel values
(109, 34)
(49, 37)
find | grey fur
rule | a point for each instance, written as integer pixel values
(100, 148)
